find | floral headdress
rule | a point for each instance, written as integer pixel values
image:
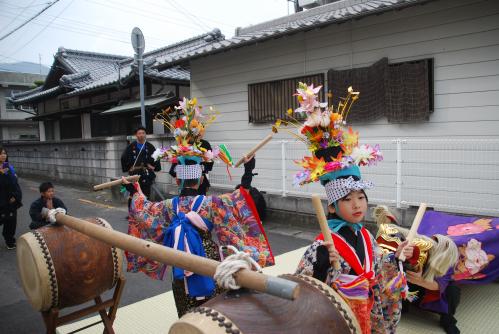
(188, 127)
(334, 146)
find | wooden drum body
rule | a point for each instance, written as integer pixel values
(318, 309)
(60, 267)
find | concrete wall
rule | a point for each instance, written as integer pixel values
(90, 161)
(463, 38)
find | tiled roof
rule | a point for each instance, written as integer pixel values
(175, 73)
(91, 70)
(335, 12)
(35, 94)
(174, 51)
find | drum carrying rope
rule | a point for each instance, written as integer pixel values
(52, 212)
(224, 274)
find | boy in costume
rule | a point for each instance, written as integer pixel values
(196, 223)
(336, 157)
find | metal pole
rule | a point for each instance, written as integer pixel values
(140, 60)
(283, 168)
(399, 172)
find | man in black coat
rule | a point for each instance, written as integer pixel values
(39, 209)
(137, 160)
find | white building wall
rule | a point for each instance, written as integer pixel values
(461, 35)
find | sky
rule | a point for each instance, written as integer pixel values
(105, 25)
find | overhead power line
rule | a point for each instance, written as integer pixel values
(42, 30)
(28, 21)
(197, 21)
(19, 14)
(87, 28)
(143, 13)
(169, 8)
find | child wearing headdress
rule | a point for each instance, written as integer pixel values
(336, 157)
(192, 222)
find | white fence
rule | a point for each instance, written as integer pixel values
(456, 175)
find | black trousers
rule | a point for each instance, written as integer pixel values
(9, 222)
(447, 320)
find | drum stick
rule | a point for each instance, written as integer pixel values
(326, 232)
(414, 228)
(275, 286)
(255, 149)
(131, 178)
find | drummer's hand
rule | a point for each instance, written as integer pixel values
(405, 248)
(414, 277)
(124, 180)
(333, 253)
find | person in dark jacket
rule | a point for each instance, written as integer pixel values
(207, 167)
(137, 160)
(39, 208)
(10, 199)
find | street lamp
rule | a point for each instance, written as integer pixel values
(138, 43)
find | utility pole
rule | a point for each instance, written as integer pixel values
(138, 44)
(40, 62)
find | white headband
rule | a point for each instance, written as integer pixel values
(188, 172)
(339, 188)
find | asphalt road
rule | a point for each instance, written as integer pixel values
(17, 315)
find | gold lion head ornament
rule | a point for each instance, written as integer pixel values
(435, 255)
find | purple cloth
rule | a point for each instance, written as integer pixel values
(478, 242)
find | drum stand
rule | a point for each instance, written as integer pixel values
(52, 319)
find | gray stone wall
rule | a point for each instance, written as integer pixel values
(90, 161)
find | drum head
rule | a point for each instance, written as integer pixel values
(196, 323)
(317, 309)
(34, 272)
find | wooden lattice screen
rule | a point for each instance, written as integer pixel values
(268, 101)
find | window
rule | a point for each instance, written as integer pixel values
(11, 107)
(401, 92)
(8, 105)
(49, 130)
(27, 107)
(65, 105)
(369, 81)
(70, 127)
(268, 101)
(409, 91)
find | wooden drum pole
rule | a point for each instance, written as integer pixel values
(414, 228)
(131, 178)
(326, 232)
(255, 149)
(200, 265)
